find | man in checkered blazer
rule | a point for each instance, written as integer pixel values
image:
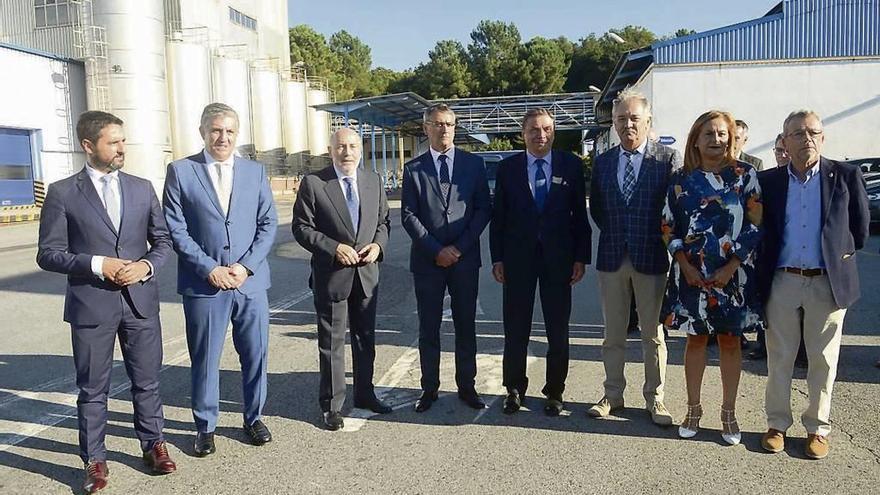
(626, 198)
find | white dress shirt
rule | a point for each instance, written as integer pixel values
(97, 178)
(211, 164)
(450, 153)
(531, 168)
(637, 156)
(340, 176)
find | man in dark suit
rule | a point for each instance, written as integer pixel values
(742, 137)
(627, 195)
(104, 229)
(445, 207)
(222, 220)
(539, 236)
(817, 218)
(341, 217)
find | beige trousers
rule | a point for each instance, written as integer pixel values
(797, 301)
(616, 289)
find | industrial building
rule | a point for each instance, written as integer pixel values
(818, 54)
(155, 64)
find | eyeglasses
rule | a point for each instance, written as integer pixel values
(802, 133)
(441, 125)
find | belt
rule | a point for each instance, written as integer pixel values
(804, 272)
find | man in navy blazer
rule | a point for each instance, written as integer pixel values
(445, 207)
(539, 236)
(817, 218)
(222, 221)
(104, 229)
(627, 194)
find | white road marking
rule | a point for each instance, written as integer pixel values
(65, 407)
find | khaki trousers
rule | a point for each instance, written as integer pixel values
(797, 301)
(616, 289)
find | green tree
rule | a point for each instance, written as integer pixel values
(683, 32)
(310, 47)
(446, 74)
(542, 67)
(380, 81)
(595, 57)
(355, 61)
(493, 56)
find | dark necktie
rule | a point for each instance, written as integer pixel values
(444, 178)
(540, 184)
(629, 176)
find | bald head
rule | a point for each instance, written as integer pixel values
(345, 150)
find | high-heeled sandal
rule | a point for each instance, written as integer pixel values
(691, 424)
(729, 427)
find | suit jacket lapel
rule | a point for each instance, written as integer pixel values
(366, 195)
(829, 179)
(781, 199)
(430, 172)
(337, 199)
(238, 184)
(127, 200)
(84, 183)
(524, 179)
(200, 168)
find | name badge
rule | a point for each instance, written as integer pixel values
(557, 180)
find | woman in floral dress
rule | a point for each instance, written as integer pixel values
(711, 225)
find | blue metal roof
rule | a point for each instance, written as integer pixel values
(804, 29)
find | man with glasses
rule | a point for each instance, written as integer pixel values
(817, 218)
(444, 209)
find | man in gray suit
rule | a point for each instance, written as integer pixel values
(341, 217)
(104, 229)
(445, 207)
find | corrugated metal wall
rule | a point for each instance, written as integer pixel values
(805, 29)
(17, 27)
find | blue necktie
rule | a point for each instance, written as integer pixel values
(444, 178)
(351, 201)
(540, 184)
(629, 176)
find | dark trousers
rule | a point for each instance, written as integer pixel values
(518, 302)
(358, 312)
(463, 285)
(141, 342)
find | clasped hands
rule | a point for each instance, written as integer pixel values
(124, 272)
(228, 277)
(348, 256)
(718, 280)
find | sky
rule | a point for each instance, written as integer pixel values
(400, 33)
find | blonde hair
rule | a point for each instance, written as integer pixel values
(534, 113)
(692, 159)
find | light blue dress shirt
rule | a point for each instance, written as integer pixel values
(802, 236)
(532, 168)
(638, 155)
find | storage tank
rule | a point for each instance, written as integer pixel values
(231, 87)
(189, 90)
(296, 123)
(136, 56)
(319, 123)
(266, 100)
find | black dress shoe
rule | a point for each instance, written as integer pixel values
(472, 399)
(258, 433)
(512, 402)
(333, 420)
(374, 404)
(426, 401)
(553, 406)
(204, 444)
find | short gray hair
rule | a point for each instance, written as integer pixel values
(629, 93)
(214, 110)
(436, 108)
(799, 114)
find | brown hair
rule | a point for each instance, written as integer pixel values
(692, 159)
(91, 123)
(537, 112)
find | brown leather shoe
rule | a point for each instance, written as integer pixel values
(158, 459)
(96, 476)
(773, 441)
(817, 446)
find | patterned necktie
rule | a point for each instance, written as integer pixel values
(224, 183)
(111, 200)
(540, 184)
(444, 178)
(351, 201)
(629, 177)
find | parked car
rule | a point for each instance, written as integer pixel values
(492, 159)
(867, 164)
(874, 201)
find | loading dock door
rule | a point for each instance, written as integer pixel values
(16, 168)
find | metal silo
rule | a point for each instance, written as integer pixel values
(319, 123)
(266, 99)
(231, 87)
(189, 90)
(135, 36)
(296, 123)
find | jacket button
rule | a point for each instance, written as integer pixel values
(226, 248)
(228, 222)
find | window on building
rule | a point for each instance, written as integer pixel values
(54, 13)
(242, 20)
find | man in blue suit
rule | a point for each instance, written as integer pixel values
(104, 229)
(539, 236)
(627, 194)
(817, 218)
(444, 209)
(222, 220)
